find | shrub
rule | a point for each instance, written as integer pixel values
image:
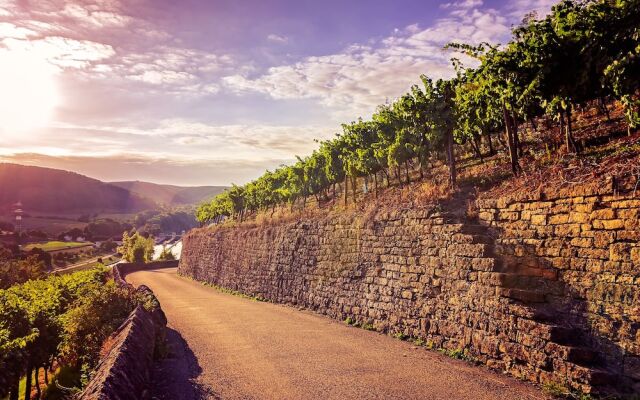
(136, 248)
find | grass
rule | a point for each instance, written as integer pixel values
(54, 245)
(561, 391)
(368, 327)
(401, 336)
(352, 322)
(457, 354)
(225, 290)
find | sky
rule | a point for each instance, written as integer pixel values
(213, 92)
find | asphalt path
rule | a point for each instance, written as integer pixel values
(229, 347)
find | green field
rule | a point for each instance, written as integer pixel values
(92, 263)
(54, 245)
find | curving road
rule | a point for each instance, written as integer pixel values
(224, 346)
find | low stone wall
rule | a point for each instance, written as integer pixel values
(549, 295)
(125, 371)
(122, 269)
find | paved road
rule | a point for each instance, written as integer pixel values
(235, 348)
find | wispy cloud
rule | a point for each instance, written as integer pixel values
(464, 4)
(61, 51)
(175, 69)
(518, 8)
(277, 38)
(354, 81)
(105, 40)
(180, 138)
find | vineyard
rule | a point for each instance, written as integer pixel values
(54, 328)
(524, 102)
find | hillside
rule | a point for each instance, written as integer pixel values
(51, 190)
(171, 195)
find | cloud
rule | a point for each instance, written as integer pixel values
(277, 38)
(8, 30)
(60, 51)
(173, 138)
(171, 69)
(97, 13)
(106, 41)
(357, 79)
(287, 140)
(464, 4)
(517, 9)
(95, 17)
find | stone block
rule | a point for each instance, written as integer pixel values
(620, 252)
(558, 219)
(539, 219)
(582, 242)
(578, 217)
(611, 224)
(635, 256)
(603, 214)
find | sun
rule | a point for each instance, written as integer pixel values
(28, 93)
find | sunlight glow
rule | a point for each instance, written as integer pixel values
(28, 93)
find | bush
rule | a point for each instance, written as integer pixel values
(63, 317)
(13, 271)
(136, 248)
(89, 323)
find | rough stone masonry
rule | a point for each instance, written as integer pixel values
(546, 289)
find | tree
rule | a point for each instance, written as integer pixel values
(136, 248)
(624, 76)
(15, 271)
(166, 255)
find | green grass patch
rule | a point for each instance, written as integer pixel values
(368, 327)
(401, 336)
(562, 391)
(457, 354)
(78, 268)
(54, 245)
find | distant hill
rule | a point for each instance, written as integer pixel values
(52, 190)
(169, 194)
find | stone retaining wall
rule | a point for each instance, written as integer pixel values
(546, 290)
(125, 371)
